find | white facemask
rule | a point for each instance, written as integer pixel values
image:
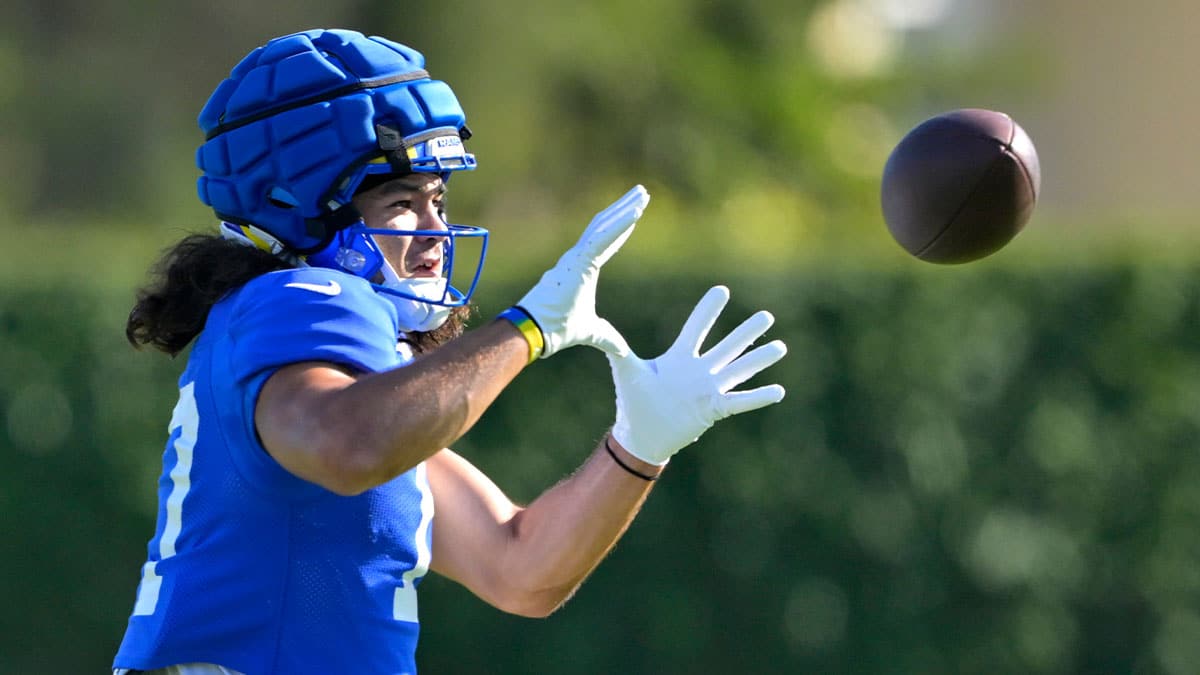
(416, 315)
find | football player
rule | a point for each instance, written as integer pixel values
(307, 485)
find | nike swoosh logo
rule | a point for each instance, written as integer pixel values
(330, 288)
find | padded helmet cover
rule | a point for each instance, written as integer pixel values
(301, 120)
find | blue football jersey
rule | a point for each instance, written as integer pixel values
(251, 567)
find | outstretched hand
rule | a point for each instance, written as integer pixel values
(666, 403)
(563, 302)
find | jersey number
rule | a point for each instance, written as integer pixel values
(186, 419)
(404, 601)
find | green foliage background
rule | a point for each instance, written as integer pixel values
(989, 468)
(991, 475)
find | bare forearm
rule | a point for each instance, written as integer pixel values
(431, 403)
(560, 537)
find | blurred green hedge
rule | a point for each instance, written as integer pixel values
(975, 470)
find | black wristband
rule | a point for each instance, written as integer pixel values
(612, 453)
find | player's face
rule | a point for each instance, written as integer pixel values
(412, 202)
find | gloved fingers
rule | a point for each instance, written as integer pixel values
(701, 320)
(633, 201)
(738, 402)
(608, 339)
(598, 260)
(750, 364)
(612, 226)
(739, 339)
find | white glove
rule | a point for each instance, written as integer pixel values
(668, 402)
(563, 302)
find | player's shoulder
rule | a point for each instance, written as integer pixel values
(298, 315)
(310, 286)
(310, 294)
(310, 282)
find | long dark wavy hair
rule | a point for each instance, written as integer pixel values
(199, 270)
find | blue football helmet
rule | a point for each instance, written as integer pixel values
(295, 129)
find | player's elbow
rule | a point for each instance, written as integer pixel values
(532, 596)
(534, 604)
(535, 612)
(344, 485)
(347, 466)
(342, 477)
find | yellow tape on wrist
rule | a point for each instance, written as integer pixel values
(529, 329)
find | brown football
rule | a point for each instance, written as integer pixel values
(961, 185)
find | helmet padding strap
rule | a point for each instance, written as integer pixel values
(326, 225)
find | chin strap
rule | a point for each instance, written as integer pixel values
(325, 226)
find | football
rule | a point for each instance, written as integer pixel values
(959, 186)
